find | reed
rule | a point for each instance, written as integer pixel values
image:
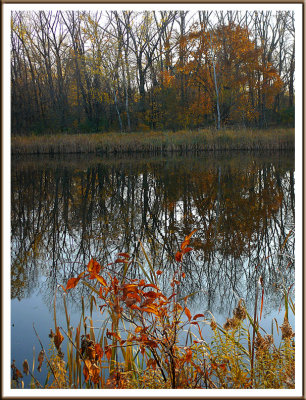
(150, 339)
(155, 142)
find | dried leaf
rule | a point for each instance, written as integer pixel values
(86, 369)
(99, 351)
(58, 338)
(41, 357)
(94, 373)
(108, 352)
(25, 366)
(151, 363)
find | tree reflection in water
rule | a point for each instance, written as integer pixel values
(65, 211)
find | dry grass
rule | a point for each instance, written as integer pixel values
(155, 142)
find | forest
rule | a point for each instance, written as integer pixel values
(122, 71)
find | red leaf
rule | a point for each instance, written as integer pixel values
(151, 294)
(121, 260)
(262, 299)
(186, 250)
(178, 256)
(188, 313)
(125, 255)
(198, 316)
(159, 272)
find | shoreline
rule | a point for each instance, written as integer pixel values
(152, 142)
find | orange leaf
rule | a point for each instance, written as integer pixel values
(101, 280)
(188, 356)
(138, 329)
(121, 260)
(72, 282)
(131, 287)
(150, 309)
(186, 250)
(159, 272)
(93, 267)
(198, 316)
(135, 307)
(108, 352)
(86, 369)
(183, 275)
(188, 313)
(178, 256)
(94, 373)
(99, 351)
(151, 285)
(190, 234)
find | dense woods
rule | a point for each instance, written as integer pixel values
(80, 71)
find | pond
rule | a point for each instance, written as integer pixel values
(66, 210)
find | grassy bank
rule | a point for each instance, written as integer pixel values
(155, 142)
(150, 340)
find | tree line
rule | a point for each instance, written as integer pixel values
(81, 71)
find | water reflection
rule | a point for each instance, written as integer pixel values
(65, 211)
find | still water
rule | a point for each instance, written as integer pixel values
(67, 210)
